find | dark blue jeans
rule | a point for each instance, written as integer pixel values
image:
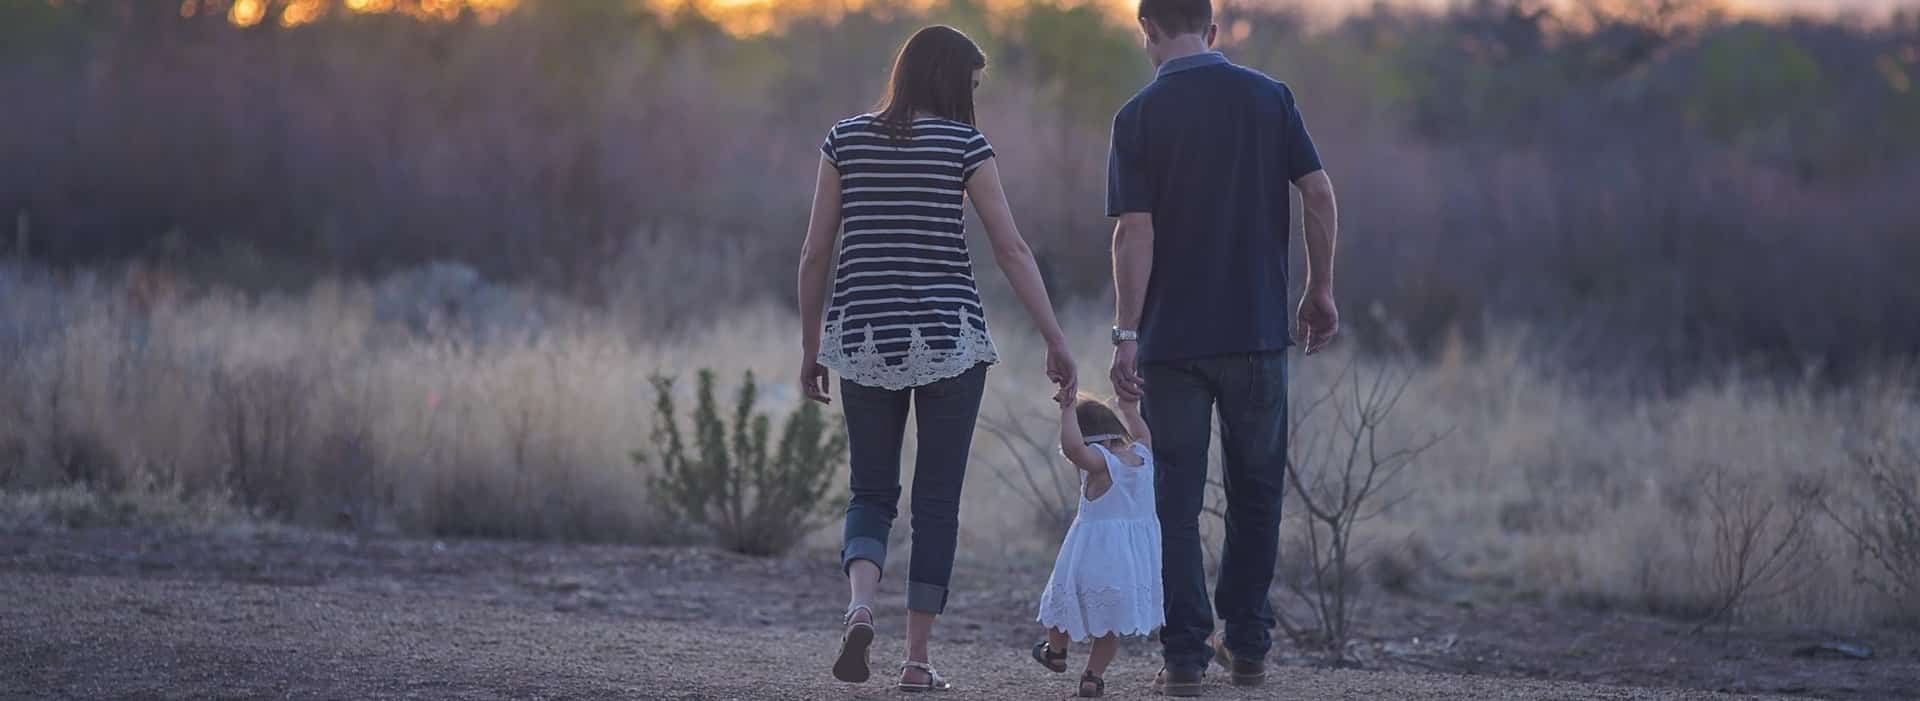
(876, 424)
(1250, 391)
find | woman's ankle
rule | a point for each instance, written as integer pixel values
(859, 613)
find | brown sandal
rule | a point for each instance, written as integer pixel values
(1099, 686)
(1055, 661)
(855, 664)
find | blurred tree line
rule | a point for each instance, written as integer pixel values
(1655, 187)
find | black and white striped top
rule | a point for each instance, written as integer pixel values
(905, 311)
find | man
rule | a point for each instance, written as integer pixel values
(1198, 177)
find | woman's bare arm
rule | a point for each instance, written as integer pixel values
(816, 268)
(1023, 273)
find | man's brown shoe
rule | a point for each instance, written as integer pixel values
(1178, 683)
(1244, 672)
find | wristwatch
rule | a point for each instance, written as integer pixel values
(1121, 335)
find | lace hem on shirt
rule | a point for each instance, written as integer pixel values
(923, 365)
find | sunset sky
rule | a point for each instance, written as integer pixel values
(752, 16)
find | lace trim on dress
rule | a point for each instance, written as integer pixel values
(922, 365)
(1098, 611)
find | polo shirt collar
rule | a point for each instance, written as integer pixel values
(1185, 63)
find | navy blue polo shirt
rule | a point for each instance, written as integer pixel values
(1209, 148)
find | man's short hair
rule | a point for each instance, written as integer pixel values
(1178, 16)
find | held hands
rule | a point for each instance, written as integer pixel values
(1318, 321)
(1125, 374)
(1061, 371)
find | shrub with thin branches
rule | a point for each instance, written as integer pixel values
(261, 418)
(1760, 540)
(1341, 477)
(1028, 468)
(1885, 525)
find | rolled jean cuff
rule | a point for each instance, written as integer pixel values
(863, 548)
(926, 598)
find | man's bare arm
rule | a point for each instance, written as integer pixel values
(1319, 318)
(1132, 265)
(1322, 217)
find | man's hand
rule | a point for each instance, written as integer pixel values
(1318, 320)
(1126, 372)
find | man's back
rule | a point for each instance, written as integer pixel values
(1209, 149)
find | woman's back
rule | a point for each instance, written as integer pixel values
(905, 310)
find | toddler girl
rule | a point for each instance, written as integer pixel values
(1106, 580)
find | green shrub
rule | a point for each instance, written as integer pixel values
(728, 484)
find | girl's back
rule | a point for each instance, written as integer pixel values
(1131, 495)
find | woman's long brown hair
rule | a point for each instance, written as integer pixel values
(933, 75)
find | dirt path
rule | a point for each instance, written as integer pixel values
(123, 615)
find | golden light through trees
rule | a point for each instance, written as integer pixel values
(293, 13)
(752, 17)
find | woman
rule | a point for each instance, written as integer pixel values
(905, 325)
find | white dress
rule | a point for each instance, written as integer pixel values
(1107, 577)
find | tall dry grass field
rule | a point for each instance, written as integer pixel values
(434, 403)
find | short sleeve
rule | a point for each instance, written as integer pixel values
(1302, 158)
(830, 149)
(1129, 185)
(977, 151)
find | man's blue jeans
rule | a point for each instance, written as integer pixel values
(1250, 391)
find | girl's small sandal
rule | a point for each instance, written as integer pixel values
(855, 664)
(1099, 686)
(935, 682)
(1044, 654)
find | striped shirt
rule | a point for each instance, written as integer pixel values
(905, 311)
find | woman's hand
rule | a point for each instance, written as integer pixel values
(813, 380)
(1060, 369)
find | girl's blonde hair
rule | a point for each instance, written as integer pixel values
(1096, 418)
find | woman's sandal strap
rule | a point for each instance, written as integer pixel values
(935, 682)
(849, 618)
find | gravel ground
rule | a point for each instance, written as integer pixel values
(112, 615)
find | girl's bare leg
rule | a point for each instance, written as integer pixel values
(1104, 649)
(1057, 640)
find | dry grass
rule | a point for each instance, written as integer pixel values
(323, 409)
